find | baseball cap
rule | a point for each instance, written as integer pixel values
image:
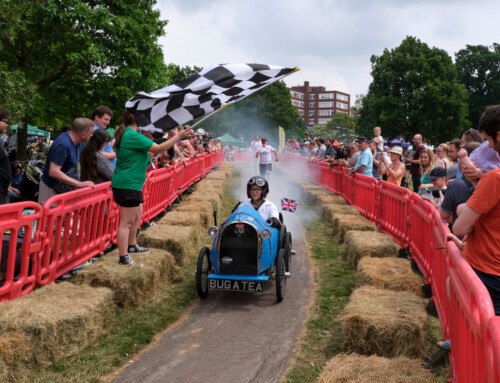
(451, 172)
(362, 139)
(437, 172)
(336, 143)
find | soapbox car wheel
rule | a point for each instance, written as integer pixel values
(202, 269)
(280, 275)
(288, 251)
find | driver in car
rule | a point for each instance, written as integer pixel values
(257, 190)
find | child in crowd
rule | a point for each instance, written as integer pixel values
(377, 132)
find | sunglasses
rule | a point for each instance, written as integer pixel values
(257, 181)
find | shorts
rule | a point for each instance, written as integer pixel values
(265, 167)
(127, 197)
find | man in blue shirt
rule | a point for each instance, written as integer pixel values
(364, 165)
(63, 157)
(101, 117)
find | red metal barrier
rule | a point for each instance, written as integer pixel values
(492, 347)
(158, 193)
(323, 175)
(348, 188)
(337, 179)
(365, 197)
(77, 226)
(439, 266)
(420, 234)
(242, 157)
(21, 235)
(470, 312)
(393, 212)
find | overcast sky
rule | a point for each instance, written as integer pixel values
(331, 41)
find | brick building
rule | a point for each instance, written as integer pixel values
(316, 105)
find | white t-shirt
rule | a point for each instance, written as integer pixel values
(266, 210)
(255, 146)
(266, 154)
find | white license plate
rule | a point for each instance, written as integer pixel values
(228, 284)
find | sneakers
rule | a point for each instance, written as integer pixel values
(126, 260)
(136, 249)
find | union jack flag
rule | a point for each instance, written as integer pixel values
(289, 205)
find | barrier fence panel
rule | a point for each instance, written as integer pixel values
(77, 227)
(471, 309)
(393, 212)
(337, 178)
(439, 265)
(158, 193)
(365, 197)
(492, 347)
(421, 219)
(324, 174)
(21, 234)
(348, 188)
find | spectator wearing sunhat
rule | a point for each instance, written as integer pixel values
(364, 164)
(394, 169)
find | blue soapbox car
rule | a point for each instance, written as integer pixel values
(247, 252)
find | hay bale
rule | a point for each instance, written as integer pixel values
(203, 195)
(357, 245)
(342, 223)
(217, 176)
(388, 274)
(131, 285)
(312, 194)
(14, 351)
(384, 322)
(328, 211)
(212, 184)
(374, 369)
(180, 241)
(330, 199)
(202, 208)
(58, 320)
(181, 218)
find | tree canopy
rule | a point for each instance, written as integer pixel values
(414, 90)
(478, 68)
(79, 54)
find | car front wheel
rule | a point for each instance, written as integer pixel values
(202, 270)
(280, 275)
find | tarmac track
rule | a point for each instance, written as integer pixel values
(231, 336)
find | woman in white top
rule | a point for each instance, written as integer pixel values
(257, 190)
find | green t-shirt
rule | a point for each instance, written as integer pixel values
(132, 161)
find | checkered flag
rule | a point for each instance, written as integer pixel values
(202, 94)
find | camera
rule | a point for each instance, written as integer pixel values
(435, 192)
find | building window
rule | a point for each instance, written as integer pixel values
(326, 104)
(326, 96)
(298, 95)
(342, 97)
(312, 97)
(311, 113)
(312, 105)
(300, 104)
(312, 120)
(326, 113)
(323, 121)
(341, 105)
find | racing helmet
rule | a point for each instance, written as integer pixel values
(260, 182)
(200, 132)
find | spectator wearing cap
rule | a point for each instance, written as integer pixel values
(479, 218)
(395, 170)
(415, 161)
(458, 191)
(438, 181)
(364, 164)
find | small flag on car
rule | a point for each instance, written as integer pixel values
(289, 205)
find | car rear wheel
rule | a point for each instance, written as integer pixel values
(280, 275)
(288, 251)
(202, 270)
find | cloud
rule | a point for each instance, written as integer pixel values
(331, 41)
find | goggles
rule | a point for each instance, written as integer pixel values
(257, 181)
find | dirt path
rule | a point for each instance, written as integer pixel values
(232, 337)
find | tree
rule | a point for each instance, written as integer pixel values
(342, 126)
(478, 69)
(414, 90)
(177, 74)
(82, 53)
(261, 113)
